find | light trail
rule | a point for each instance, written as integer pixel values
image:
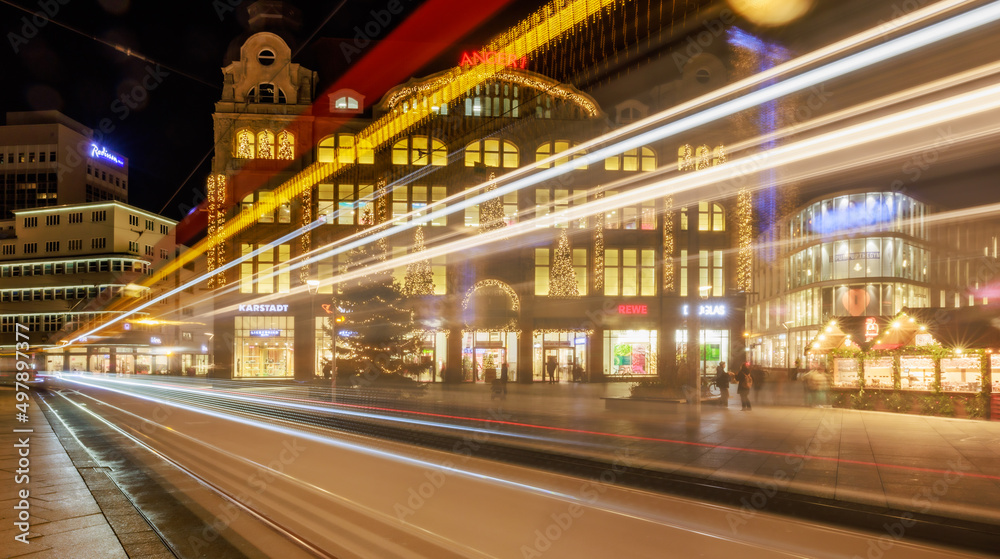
(903, 22)
(291, 404)
(895, 47)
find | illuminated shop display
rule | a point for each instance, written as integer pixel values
(629, 352)
(264, 345)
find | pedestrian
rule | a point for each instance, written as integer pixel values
(550, 366)
(504, 369)
(744, 382)
(722, 380)
(327, 370)
(816, 385)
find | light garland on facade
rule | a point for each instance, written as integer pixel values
(265, 145)
(532, 35)
(744, 226)
(244, 144)
(668, 245)
(306, 238)
(216, 254)
(515, 301)
(685, 158)
(381, 216)
(587, 331)
(599, 249)
(419, 279)
(562, 277)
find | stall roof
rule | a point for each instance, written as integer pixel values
(964, 328)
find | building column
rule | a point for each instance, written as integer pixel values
(222, 348)
(595, 369)
(304, 358)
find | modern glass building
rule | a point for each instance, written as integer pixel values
(858, 253)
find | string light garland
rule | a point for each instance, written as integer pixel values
(599, 248)
(562, 277)
(744, 226)
(286, 148)
(305, 240)
(668, 245)
(491, 214)
(419, 279)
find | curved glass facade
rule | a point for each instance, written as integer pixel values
(851, 259)
(852, 214)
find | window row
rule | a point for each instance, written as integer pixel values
(494, 153)
(265, 145)
(57, 293)
(29, 157)
(74, 267)
(858, 258)
(104, 176)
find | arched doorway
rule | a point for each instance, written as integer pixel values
(491, 311)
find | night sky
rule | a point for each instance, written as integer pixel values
(168, 135)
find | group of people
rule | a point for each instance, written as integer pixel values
(814, 383)
(745, 382)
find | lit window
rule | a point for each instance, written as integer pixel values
(286, 145)
(346, 149)
(245, 144)
(551, 148)
(632, 160)
(345, 103)
(629, 272)
(420, 151)
(265, 144)
(492, 153)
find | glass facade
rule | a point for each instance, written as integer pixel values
(264, 346)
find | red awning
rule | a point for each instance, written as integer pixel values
(886, 346)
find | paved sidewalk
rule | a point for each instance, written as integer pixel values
(74, 508)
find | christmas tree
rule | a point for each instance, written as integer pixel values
(491, 216)
(562, 277)
(419, 279)
(376, 329)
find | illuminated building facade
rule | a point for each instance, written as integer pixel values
(611, 293)
(48, 159)
(860, 254)
(67, 268)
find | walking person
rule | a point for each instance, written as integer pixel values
(759, 376)
(550, 366)
(504, 369)
(722, 380)
(744, 382)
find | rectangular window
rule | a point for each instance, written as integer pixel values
(164, 230)
(30, 248)
(98, 242)
(75, 244)
(8, 250)
(133, 220)
(246, 269)
(52, 220)
(630, 272)
(325, 202)
(149, 225)
(133, 247)
(51, 246)
(101, 215)
(542, 271)
(76, 217)
(31, 222)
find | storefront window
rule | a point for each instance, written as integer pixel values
(845, 372)
(485, 351)
(916, 372)
(878, 372)
(264, 346)
(629, 353)
(565, 349)
(960, 374)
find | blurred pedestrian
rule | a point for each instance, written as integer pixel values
(744, 382)
(550, 366)
(722, 380)
(504, 377)
(759, 377)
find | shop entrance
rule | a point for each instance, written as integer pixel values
(565, 351)
(264, 347)
(484, 353)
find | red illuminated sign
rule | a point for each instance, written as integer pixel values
(476, 57)
(871, 329)
(633, 309)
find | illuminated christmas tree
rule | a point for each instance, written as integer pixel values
(562, 277)
(419, 279)
(491, 216)
(376, 330)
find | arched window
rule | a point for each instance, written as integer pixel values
(286, 145)
(492, 153)
(245, 144)
(420, 151)
(703, 157)
(345, 103)
(551, 148)
(265, 93)
(632, 160)
(265, 144)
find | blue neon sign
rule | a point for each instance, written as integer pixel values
(102, 152)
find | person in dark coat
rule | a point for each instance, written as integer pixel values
(504, 369)
(722, 381)
(550, 366)
(743, 384)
